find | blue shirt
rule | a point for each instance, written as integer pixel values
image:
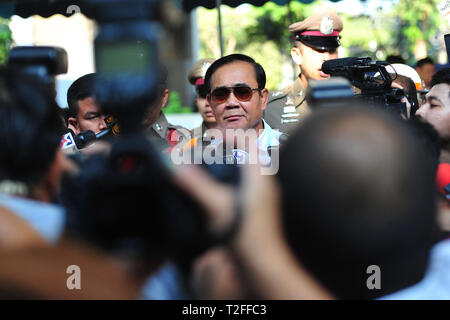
(436, 283)
(48, 219)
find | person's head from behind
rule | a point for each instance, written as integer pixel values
(236, 92)
(316, 40)
(357, 191)
(30, 135)
(426, 68)
(436, 109)
(85, 114)
(161, 97)
(392, 58)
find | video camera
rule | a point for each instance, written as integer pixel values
(370, 77)
(40, 61)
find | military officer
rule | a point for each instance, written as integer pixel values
(196, 77)
(316, 40)
(157, 128)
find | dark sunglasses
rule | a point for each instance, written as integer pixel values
(242, 93)
(202, 91)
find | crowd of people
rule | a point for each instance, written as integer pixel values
(272, 197)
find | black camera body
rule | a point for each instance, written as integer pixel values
(126, 202)
(42, 62)
(126, 58)
(370, 77)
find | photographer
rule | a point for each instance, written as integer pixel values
(357, 216)
(31, 164)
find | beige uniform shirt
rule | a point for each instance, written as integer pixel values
(167, 135)
(287, 107)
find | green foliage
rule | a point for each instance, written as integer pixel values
(5, 39)
(415, 21)
(174, 105)
(271, 22)
(262, 32)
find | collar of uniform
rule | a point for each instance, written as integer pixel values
(200, 131)
(161, 125)
(298, 92)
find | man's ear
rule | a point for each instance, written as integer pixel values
(265, 98)
(296, 55)
(72, 123)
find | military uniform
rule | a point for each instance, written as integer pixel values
(200, 131)
(196, 77)
(167, 135)
(287, 107)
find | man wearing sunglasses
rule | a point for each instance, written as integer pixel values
(238, 97)
(316, 40)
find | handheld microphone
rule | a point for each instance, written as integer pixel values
(71, 142)
(68, 143)
(85, 138)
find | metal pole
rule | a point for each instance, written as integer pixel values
(291, 21)
(291, 17)
(218, 4)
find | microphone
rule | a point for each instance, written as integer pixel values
(333, 65)
(74, 142)
(85, 138)
(443, 179)
(68, 143)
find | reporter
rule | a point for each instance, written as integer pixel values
(267, 265)
(31, 162)
(320, 249)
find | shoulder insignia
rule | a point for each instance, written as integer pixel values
(277, 93)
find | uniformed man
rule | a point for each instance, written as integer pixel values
(196, 77)
(84, 113)
(157, 128)
(316, 40)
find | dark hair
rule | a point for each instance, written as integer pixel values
(358, 190)
(64, 114)
(410, 89)
(80, 89)
(428, 137)
(30, 127)
(260, 74)
(424, 61)
(441, 76)
(395, 59)
(201, 90)
(162, 78)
